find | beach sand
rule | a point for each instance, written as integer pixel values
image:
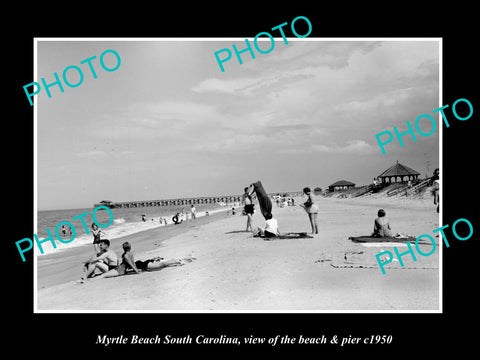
(234, 271)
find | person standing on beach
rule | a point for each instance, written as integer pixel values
(311, 208)
(248, 208)
(193, 211)
(96, 236)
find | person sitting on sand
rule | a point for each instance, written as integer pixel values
(381, 226)
(104, 261)
(270, 229)
(129, 263)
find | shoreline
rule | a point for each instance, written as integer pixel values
(234, 271)
(58, 267)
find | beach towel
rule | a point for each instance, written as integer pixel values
(365, 258)
(301, 235)
(373, 239)
(292, 235)
(263, 198)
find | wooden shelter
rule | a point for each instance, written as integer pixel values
(341, 185)
(398, 173)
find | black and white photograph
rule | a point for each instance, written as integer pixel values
(260, 188)
(231, 185)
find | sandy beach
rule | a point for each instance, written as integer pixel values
(234, 271)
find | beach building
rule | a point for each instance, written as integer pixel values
(398, 173)
(107, 203)
(341, 185)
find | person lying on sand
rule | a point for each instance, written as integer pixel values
(129, 263)
(270, 229)
(104, 261)
(381, 226)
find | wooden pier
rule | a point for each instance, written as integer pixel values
(170, 202)
(230, 199)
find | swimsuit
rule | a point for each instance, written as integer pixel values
(143, 265)
(123, 267)
(249, 208)
(96, 237)
(269, 234)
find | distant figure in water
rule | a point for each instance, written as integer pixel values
(177, 219)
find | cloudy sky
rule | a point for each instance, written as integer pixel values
(168, 123)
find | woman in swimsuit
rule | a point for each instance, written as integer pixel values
(381, 227)
(311, 208)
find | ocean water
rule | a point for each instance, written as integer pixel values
(126, 221)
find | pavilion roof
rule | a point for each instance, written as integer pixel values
(343, 183)
(398, 170)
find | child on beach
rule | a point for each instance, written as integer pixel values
(311, 208)
(177, 219)
(96, 236)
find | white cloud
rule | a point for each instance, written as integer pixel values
(232, 86)
(94, 154)
(353, 147)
